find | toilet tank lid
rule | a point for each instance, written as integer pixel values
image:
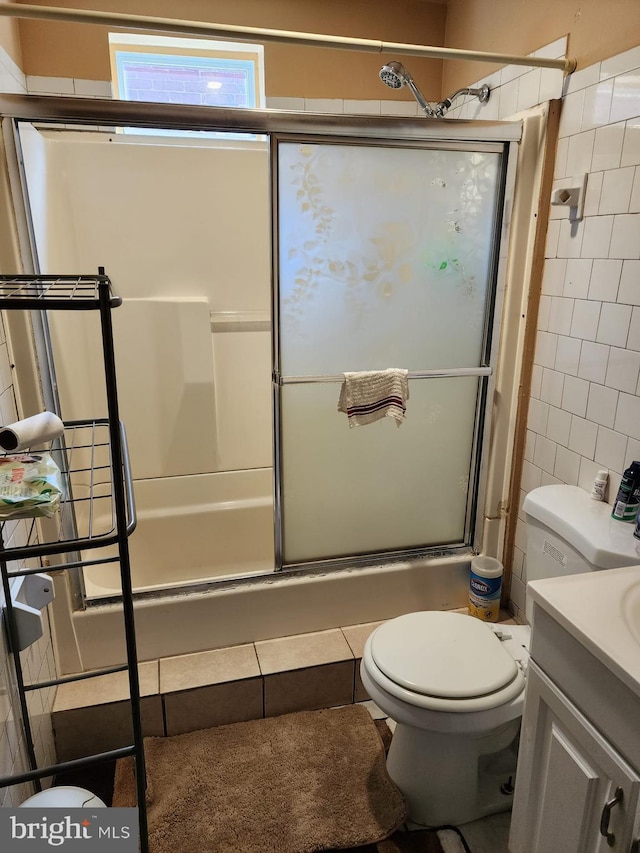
(585, 524)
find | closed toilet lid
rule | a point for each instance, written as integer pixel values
(442, 654)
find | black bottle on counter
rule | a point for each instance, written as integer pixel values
(627, 501)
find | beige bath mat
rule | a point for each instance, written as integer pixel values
(299, 783)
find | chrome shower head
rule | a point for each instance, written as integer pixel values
(395, 76)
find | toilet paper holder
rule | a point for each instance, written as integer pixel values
(572, 197)
(30, 594)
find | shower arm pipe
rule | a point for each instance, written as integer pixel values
(482, 93)
(417, 94)
(413, 374)
(444, 106)
(466, 91)
(123, 20)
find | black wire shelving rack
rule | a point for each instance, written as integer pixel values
(97, 510)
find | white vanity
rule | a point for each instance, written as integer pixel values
(578, 783)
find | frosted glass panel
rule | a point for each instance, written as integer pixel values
(379, 487)
(386, 259)
(385, 256)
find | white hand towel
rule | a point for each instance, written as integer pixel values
(369, 395)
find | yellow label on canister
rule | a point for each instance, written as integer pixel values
(487, 610)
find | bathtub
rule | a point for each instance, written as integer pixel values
(192, 530)
(220, 526)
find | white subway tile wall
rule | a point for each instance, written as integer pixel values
(584, 411)
(589, 325)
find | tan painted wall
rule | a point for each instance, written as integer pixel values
(10, 38)
(597, 29)
(77, 50)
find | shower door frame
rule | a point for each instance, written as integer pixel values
(79, 113)
(489, 350)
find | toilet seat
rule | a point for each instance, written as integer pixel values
(464, 668)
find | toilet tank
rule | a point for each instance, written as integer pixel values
(568, 532)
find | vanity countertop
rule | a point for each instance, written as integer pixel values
(602, 611)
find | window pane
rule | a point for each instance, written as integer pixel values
(199, 80)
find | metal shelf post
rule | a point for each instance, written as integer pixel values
(99, 439)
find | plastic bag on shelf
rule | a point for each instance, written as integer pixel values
(30, 485)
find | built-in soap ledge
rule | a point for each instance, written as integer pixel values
(240, 321)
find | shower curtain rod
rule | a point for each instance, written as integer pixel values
(202, 28)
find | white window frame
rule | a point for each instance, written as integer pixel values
(191, 50)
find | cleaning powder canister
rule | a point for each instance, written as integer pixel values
(485, 586)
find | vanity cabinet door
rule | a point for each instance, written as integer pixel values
(574, 793)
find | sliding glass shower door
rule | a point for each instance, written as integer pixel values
(385, 256)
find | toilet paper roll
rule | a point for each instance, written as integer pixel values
(31, 431)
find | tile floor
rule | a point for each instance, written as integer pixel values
(489, 835)
(266, 678)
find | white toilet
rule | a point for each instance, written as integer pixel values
(455, 685)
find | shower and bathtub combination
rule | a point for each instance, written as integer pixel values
(260, 513)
